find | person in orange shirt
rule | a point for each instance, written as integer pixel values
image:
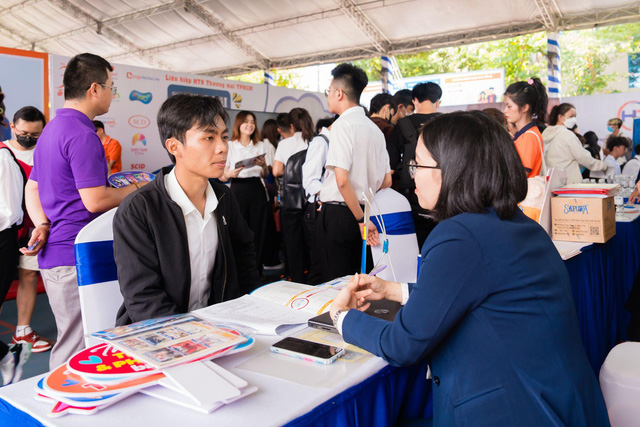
(525, 104)
(112, 148)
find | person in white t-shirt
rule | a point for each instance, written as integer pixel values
(632, 167)
(28, 123)
(357, 161)
(246, 182)
(617, 146)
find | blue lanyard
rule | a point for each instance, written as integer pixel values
(523, 130)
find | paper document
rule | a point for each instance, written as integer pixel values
(248, 163)
(265, 317)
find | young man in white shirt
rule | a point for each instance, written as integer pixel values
(27, 126)
(181, 242)
(357, 161)
(632, 167)
(617, 146)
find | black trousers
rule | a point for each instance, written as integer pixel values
(310, 223)
(252, 199)
(295, 244)
(8, 260)
(339, 243)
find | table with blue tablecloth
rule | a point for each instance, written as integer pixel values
(601, 280)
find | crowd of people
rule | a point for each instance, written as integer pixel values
(203, 231)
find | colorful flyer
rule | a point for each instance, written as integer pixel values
(62, 382)
(122, 179)
(107, 362)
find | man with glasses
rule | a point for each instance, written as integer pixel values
(357, 161)
(67, 189)
(27, 125)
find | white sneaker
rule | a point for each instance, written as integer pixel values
(12, 368)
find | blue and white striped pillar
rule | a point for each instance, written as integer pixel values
(268, 78)
(386, 76)
(553, 65)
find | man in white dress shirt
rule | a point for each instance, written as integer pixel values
(357, 161)
(181, 243)
(617, 146)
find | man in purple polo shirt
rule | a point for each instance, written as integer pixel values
(67, 189)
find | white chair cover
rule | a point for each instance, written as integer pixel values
(620, 383)
(100, 296)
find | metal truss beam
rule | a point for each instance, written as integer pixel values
(97, 25)
(353, 11)
(17, 7)
(214, 23)
(107, 33)
(18, 38)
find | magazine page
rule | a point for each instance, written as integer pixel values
(261, 315)
(178, 343)
(310, 299)
(145, 325)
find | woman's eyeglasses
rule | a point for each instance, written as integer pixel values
(413, 168)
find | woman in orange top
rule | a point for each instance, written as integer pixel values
(525, 102)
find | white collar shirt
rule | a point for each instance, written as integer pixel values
(25, 156)
(238, 152)
(358, 146)
(11, 188)
(202, 236)
(290, 146)
(613, 166)
(632, 167)
(314, 164)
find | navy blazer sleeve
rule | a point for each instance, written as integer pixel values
(449, 287)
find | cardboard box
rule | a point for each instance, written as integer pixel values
(585, 219)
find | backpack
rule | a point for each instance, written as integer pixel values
(408, 151)
(292, 193)
(22, 167)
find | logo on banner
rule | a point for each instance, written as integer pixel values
(237, 99)
(133, 76)
(139, 122)
(138, 166)
(138, 138)
(144, 97)
(629, 110)
(109, 121)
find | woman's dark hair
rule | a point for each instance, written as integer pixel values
(559, 110)
(591, 138)
(29, 114)
(240, 118)
(497, 115)
(182, 112)
(283, 122)
(532, 93)
(302, 122)
(479, 163)
(82, 71)
(270, 132)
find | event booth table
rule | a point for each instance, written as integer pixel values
(601, 280)
(372, 394)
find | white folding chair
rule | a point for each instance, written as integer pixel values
(100, 296)
(403, 243)
(620, 383)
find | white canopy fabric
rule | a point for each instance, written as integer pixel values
(224, 37)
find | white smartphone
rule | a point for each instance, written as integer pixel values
(308, 350)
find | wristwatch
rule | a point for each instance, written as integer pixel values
(337, 315)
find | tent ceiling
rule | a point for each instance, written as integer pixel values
(224, 37)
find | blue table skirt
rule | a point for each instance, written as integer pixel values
(377, 401)
(601, 280)
(380, 400)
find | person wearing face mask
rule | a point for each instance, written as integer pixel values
(563, 149)
(27, 125)
(246, 182)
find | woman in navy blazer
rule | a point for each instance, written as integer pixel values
(492, 310)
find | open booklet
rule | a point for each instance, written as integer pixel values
(276, 307)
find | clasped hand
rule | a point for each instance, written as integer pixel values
(358, 292)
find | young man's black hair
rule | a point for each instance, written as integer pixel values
(283, 122)
(98, 124)
(616, 141)
(353, 80)
(82, 71)
(29, 114)
(427, 91)
(181, 112)
(379, 101)
(402, 97)
(324, 123)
